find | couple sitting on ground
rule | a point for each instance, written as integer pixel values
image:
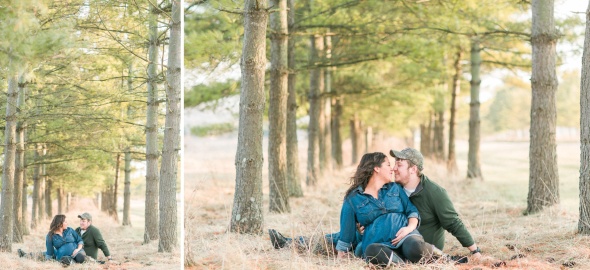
(67, 245)
(388, 222)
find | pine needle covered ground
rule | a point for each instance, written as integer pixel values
(492, 210)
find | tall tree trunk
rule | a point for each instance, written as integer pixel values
(543, 176)
(68, 201)
(42, 206)
(169, 170)
(321, 117)
(41, 209)
(113, 208)
(19, 166)
(127, 192)
(439, 136)
(104, 202)
(6, 211)
(369, 139)
(36, 189)
(356, 139)
(335, 126)
(473, 161)
(151, 130)
(431, 135)
(99, 201)
(61, 200)
(25, 204)
(48, 199)
(247, 207)
(313, 129)
(452, 159)
(327, 104)
(277, 113)
(584, 221)
(293, 176)
(425, 140)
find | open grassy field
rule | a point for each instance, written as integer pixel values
(492, 210)
(125, 243)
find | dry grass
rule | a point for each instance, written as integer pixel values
(124, 243)
(492, 210)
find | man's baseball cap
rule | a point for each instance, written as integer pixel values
(410, 154)
(85, 216)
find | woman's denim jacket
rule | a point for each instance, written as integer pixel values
(382, 217)
(58, 246)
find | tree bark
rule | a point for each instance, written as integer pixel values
(431, 134)
(113, 208)
(543, 172)
(247, 207)
(6, 211)
(104, 202)
(48, 199)
(36, 189)
(584, 221)
(425, 140)
(369, 139)
(25, 204)
(127, 192)
(169, 170)
(439, 136)
(151, 130)
(313, 130)
(356, 139)
(327, 108)
(452, 159)
(473, 160)
(277, 113)
(68, 201)
(335, 126)
(321, 116)
(19, 178)
(61, 200)
(293, 176)
(41, 209)
(99, 200)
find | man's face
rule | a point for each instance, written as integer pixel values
(84, 223)
(402, 171)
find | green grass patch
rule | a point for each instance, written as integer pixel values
(212, 130)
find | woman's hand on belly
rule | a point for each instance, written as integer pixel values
(401, 234)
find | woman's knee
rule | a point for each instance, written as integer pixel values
(380, 254)
(80, 258)
(414, 248)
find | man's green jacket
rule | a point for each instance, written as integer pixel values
(438, 214)
(93, 241)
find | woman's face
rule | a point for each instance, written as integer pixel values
(65, 224)
(385, 171)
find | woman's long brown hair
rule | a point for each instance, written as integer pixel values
(57, 222)
(365, 170)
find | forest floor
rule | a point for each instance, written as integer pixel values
(124, 242)
(492, 210)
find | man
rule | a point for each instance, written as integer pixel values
(92, 237)
(434, 205)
